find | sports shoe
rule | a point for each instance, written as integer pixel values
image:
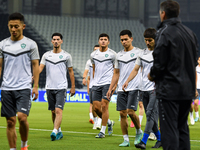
(98, 126)
(91, 121)
(53, 136)
(25, 148)
(152, 137)
(94, 126)
(110, 127)
(196, 119)
(132, 124)
(138, 138)
(100, 135)
(141, 145)
(192, 120)
(59, 136)
(157, 145)
(124, 144)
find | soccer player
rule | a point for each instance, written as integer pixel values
(57, 61)
(127, 101)
(18, 54)
(174, 73)
(145, 60)
(103, 61)
(196, 101)
(89, 69)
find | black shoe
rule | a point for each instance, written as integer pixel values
(141, 145)
(158, 144)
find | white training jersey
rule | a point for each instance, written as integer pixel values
(89, 67)
(56, 69)
(104, 65)
(145, 60)
(125, 63)
(198, 76)
(17, 57)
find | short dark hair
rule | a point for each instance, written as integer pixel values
(150, 33)
(96, 46)
(57, 34)
(104, 35)
(16, 16)
(125, 32)
(171, 8)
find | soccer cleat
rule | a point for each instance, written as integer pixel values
(100, 135)
(141, 145)
(132, 124)
(53, 136)
(94, 126)
(91, 121)
(110, 127)
(196, 119)
(192, 120)
(59, 136)
(152, 137)
(124, 144)
(157, 145)
(138, 138)
(25, 148)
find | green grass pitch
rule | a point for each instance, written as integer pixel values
(77, 131)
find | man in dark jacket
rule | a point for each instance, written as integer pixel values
(175, 59)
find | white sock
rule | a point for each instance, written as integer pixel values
(140, 118)
(91, 116)
(103, 129)
(24, 144)
(138, 131)
(95, 119)
(126, 137)
(191, 114)
(99, 121)
(59, 129)
(197, 114)
(55, 131)
(12, 148)
(108, 122)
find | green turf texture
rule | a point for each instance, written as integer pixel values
(77, 131)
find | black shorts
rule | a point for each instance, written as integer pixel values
(56, 98)
(140, 94)
(99, 92)
(127, 100)
(90, 95)
(15, 101)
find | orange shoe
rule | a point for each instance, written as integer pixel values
(91, 121)
(25, 148)
(132, 124)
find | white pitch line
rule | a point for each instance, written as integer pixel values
(81, 132)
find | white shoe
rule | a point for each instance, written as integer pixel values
(152, 137)
(98, 126)
(192, 120)
(95, 126)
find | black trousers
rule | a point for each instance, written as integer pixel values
(173, 116)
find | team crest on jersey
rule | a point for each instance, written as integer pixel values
(23, 45)
(106, 55)
(61, 56)
(132, 54)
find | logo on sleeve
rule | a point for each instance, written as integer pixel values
(61, 56)
(132, 54)
(23, 45)
(106, 55)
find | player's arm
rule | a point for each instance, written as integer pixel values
(113, 83)
(84, 76)
(1, 63)
(71, 75)
(88, 84)
(93, 66)
(134, 72)
(41, 67)
(35, 66)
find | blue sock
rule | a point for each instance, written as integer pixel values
(158, 135)
(145, 138)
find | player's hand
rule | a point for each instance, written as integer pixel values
(109, 94)
(72, 91)
(149, 77)
(34, 93)
(84, 81)
(196, 93)
(124, 86)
